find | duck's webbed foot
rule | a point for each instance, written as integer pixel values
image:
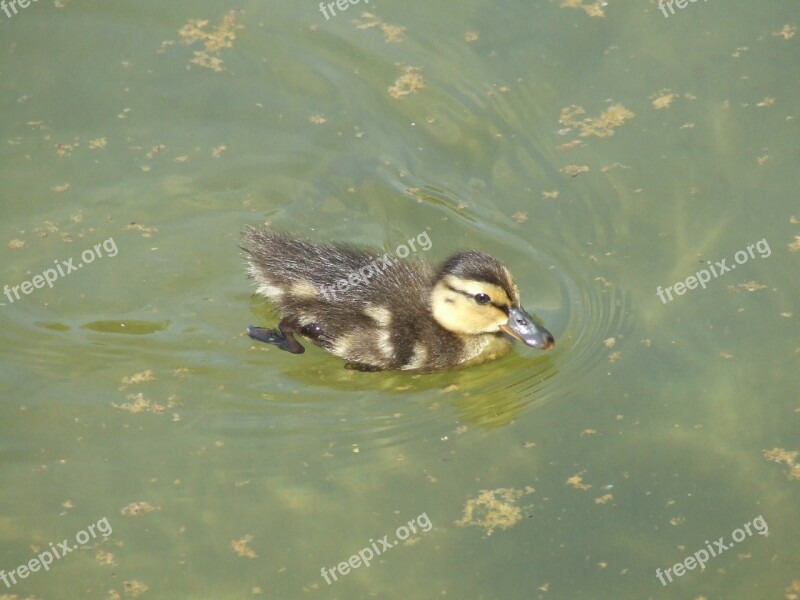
(282, 337)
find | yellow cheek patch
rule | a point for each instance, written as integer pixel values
(479, 319)
(460, 314)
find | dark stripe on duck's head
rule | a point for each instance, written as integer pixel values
(479, 266)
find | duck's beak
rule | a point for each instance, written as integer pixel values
(521, 326)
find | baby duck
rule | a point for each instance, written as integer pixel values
(379, 313)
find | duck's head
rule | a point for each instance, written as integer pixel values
(475, 294)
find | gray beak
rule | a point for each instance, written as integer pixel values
(521, 326)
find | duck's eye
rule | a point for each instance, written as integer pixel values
(482, 298)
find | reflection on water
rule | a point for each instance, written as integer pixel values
(129, 327)
(583, 144)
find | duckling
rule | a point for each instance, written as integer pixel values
(384, 314)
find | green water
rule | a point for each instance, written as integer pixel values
(131, 380)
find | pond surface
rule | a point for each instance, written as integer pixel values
(612, 155)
